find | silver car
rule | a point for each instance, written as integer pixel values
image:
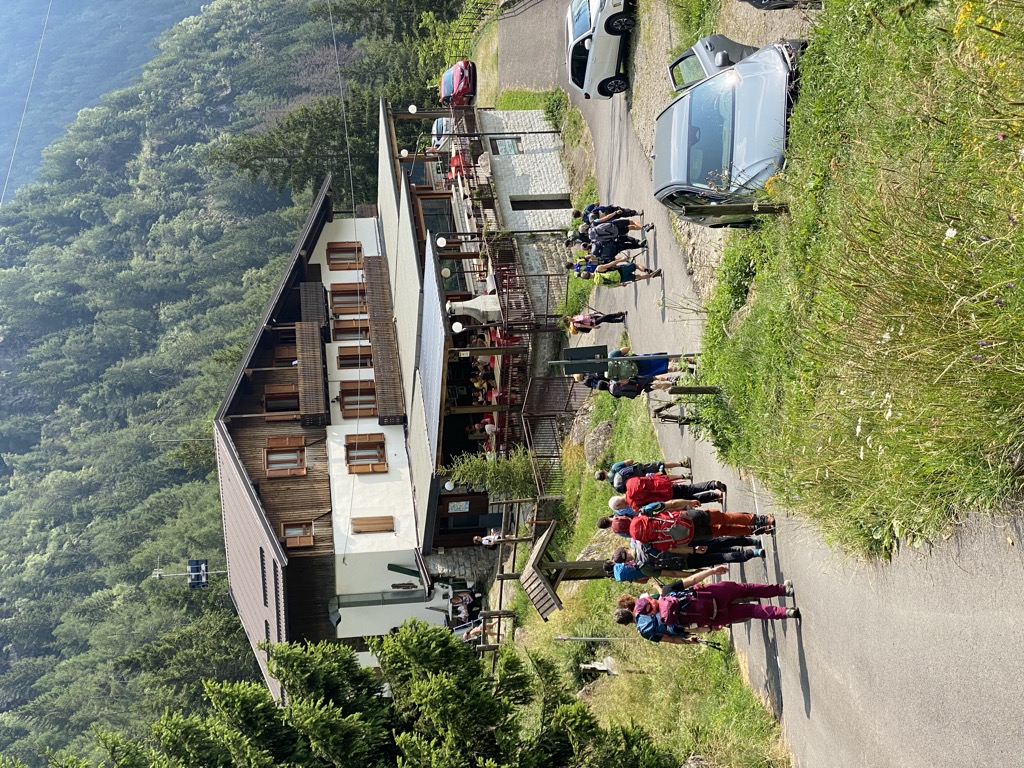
(596, 34)
(723, 138)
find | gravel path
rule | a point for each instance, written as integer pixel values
(912, 663)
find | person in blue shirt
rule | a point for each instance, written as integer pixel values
(621, 471)
(649, 563)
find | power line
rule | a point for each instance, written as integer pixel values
(21, 124)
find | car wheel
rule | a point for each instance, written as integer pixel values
(613, 85)
(619, 24)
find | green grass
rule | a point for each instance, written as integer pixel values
(519, 98)
(485, 55)
(873, 375)
(693, 700)
(692, 19)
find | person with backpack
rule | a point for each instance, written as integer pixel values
(595, 213)
(607, 231)
(619, 272)
(621, 471)
(688, 606)
(670, 526)
(646, 489)
(648, 563)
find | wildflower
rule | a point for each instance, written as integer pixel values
(950, 233)
(979, 358)
(998, 301)
(1012, 219)
(858, 426)
(1001, 136)
(984, 343)
(983, 239)
(887, 416)
(1011, 285)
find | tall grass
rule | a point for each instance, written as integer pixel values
(692, 700)
(873, 374)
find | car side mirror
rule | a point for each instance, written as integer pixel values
(722, 60)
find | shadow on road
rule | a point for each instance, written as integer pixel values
(805, 683)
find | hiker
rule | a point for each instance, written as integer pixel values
(687, 606)
(644, 562)
(621, 471)
(598, 214)
(585, 322)
(619, 272)
(613, 229)
(643, 490)
(667, 526)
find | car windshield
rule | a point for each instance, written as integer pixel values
(579, 11)
(578, 62)
(709, 157)
(448, 82)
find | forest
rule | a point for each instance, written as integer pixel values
(84, 50)
(131, 273)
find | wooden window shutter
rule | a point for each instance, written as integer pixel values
(297, 534)
(360, 356)
(345, 255)
(285, 456)
(373, 524)
(366, 453)
(358, 398)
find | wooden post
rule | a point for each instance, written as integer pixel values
(507, 577)
(504, 614)
(734, 209)
(681, 390)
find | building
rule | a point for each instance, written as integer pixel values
(354, 393)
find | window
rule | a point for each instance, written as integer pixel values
(437, 214)
(263, 574)
(376, 524)
(285, 457)
(277, 595)
(366, 453)
(355, 357)
(513, 145)
(357, 398)
(346, 255)
(356, 329)
(540, 203)
(348, 299)
(281, 399)
(296, 535)
(285, 356)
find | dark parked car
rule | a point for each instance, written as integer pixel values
(722, 139)
(458, 85)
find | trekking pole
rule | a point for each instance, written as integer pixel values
(710, 644)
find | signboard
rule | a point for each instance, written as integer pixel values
(198, 578)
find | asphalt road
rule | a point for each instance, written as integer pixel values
(911, 663)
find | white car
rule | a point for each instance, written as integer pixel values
(596, 35)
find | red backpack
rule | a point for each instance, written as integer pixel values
(641, 491)
(666, 530)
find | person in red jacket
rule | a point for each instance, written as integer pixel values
(672, 525)
(641, 491)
